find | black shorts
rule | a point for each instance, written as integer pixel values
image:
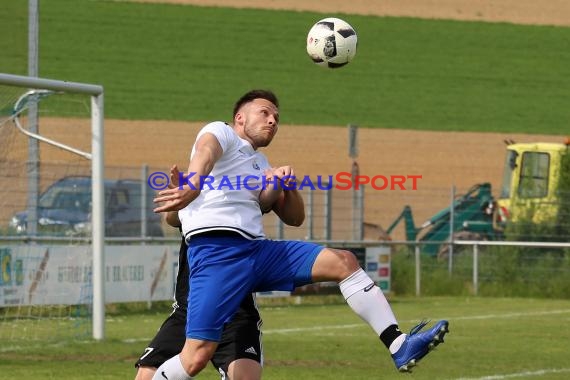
(241, 339)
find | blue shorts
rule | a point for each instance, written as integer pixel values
(224, 270)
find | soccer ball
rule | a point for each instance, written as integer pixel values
(331, 42)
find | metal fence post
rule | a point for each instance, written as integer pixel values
(357, 207)
(144, 197)
(280, 229)
(310, 215)
(328, 216)
(418, 269)
(475, 268)
(451, 229)
(360, 213)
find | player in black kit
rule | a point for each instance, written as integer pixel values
(239, 354)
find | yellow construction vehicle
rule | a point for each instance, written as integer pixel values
(535, 193)
(534, 181)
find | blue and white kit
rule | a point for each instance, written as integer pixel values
(228, 253)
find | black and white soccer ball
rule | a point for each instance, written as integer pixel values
(331, 42)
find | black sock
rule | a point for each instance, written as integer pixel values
(389, 335)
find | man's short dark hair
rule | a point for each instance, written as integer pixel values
(255, 94)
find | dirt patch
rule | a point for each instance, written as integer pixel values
(444, 159)
(548, 12)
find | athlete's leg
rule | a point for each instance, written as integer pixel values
(368, 301)
(196, 354)
(167, 342)
(361, 293)
(188, 363)
(240, 353)
(219, 281)
(334, 265)
(244, 369)
(145, 373)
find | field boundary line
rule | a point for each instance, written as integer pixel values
(463, 318)
(361, 325)
(539, 372)
(512, 315)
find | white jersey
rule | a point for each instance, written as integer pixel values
(229, 199)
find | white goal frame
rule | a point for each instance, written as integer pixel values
(97, 172)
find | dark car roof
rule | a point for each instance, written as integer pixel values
(79, 180)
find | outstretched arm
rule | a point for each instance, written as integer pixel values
(290, 208)
(171, 218)
(206, 152)
(282, 197)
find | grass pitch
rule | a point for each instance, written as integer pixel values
(489, 338)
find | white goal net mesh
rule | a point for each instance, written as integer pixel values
(45, 255)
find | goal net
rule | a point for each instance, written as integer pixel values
(51, 209)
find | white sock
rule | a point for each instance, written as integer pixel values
(397, 343)
(172, 370)
(368, 301)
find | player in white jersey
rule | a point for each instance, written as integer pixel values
(229, 184)
(231, 189)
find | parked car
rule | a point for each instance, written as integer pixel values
(64, 208)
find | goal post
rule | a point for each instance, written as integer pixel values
(97, 172)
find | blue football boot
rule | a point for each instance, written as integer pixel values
(417, 344)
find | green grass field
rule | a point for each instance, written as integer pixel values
(191, 63)
(490, 338)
